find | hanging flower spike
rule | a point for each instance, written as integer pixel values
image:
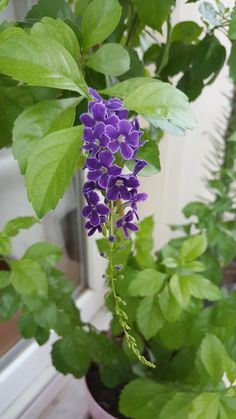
(109, 191)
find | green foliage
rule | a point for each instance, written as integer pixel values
(155, 14)
(47, 179)
(36, 122)
(186, 32)
(28, 278)
(54, 8)
(99, 20)
(13, 227)
(27, 57)
(116, 54)
(44, 253)
(144, 243)
(147, 282)
(149, 317)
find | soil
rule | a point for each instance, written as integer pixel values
(107, 398)
(229, 274)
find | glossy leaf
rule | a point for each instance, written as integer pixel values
(115, 55)
(60, 32)
(37, 121)
(53, 8)
(149, 317)
(28, 278)
(180, 290)
(206, 405)
(202, 288)
(46, 317)
(147, 282)
(193, 247)
(186, 32)
(30, 59)
(155, 13)
(47, 178)
(170, 308)
(99, 20)
(232, 25)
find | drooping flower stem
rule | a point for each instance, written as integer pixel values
(119, 302)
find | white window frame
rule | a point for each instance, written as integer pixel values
(25, 378)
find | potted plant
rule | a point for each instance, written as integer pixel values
(50, 143)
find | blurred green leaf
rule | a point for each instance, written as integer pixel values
(115, 54)
(149, 317)
(45, 254)
(186, 32)
(193, 247)
(53, 8)
(155, 13)
(4, 279)
(144, 243)
(13, 227)
(147, 282)
(28, 278)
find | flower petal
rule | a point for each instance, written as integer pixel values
(124, 193)
(94, 175)
(99, 130)
(122, 114)
(93, 197)
(112, 132)
(133, 138)
(132, 227)
(94, 219)
(132, 182)
(103, 181)
(86, 211)
(93, 163)
(115, 170)
(112, 120)
(124, 127)
(106, 158)
(87, 120)
(98, 111)
(113, 193)
(126, 151)
(95, 94)
(102, 209)
(88, 134)
(113, 146)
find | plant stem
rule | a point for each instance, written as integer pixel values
(165, 56)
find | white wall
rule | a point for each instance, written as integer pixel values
(182, 158)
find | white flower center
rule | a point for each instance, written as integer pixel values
(97, 142)
(104, 169)
(121, 138)
(119, 182)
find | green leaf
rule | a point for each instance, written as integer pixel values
(232, 25)
(115, 55)
(160, 103)
(155, 13)
(3, 4)
(136, 66)
(60, 32)
(202, 288)
(52, 8)
(212, 356)
(99, 20)
(170, 308)
(42, 335)
(46, 317)
(147, 282)
(13, 227)
(45, 254)
(28, 278)
(144, 398)
(180, 290)
(4, 279)
(186, 32)
(75, 350)
(9, 303)
(27, 326)
(150, 153)
(144, 243)
(13, 100)
(39, 120)
(149, 317)
(206, 405)
(178, 407)
(193, 247)
(5, 244)
(47, 178)
(28, 58)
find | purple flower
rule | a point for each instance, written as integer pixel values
(124, 138)
(95, 139)
(88, 186)
(140, 164)
(92, 229)
(101, 168)
(117, 187)
(126, 224)
(94, 210)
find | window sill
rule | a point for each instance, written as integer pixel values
(19, 390)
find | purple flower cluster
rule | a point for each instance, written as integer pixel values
(109, 140)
